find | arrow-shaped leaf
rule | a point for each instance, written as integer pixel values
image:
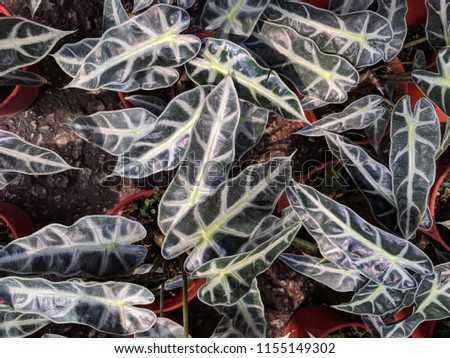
(164, 147)
(163, 328)
(433, 303)
(22, 78)
(219, 225)
(24, 42)
(6, 178)
(251, 127)
(357, 115)
(326, 272)
(438, 21)
(208, 158)
(395, 12)
(106, 307)
(98, 246)
(371, 177)
(436, 86)
(230, 278)
(354, 36)
(415, 138)
(244, 319)
(114, 131)
(346, 7)
(19, 156)
(16, 324)
(149, 39)
(113, 14)
(314, 73)
(254, 83)
(379, 300)
(232, 18)
(375, 253)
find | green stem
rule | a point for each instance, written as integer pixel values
(414, 43)
(185, 297)
(161, 294)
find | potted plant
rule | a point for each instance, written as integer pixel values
(19, 78)
(224, 223)
(437, 205)
(323, 322)
(14, 222)
(143, 207)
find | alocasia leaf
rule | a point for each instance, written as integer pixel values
(163, 328)
(232, 18)
(377, 254)
(97, 246)
(244, 319)
(208, 158)
(375, 131)
(6, 178)
(354, 36)
(22, 78)
(314, 73)
(113, 14)
(114, 131)
(432, 300)
(395, 12)
(231, 277)
(15, 324)
(252, 124)
(153, 104)
(346, 7)
(71, 55)
(139, 5)
(185, 4)
(220, 224)
(326, 272)
(19, 156)
(438, 21)
(164, 147)
(34, 5)
(357, 115)
(150, 39)
(255, 84)
(371, 177)
(24, 42)
(436, 86)
(415, 138)
(445, 142)
(377, 300)
(105, 306)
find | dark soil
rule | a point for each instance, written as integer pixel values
(5, 92)
(6, 235)
(65, 197)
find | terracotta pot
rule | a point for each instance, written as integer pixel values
(21, 97)
(318, 3)
(17, 220)
(319, 322)
(441, 173)
(417, 12)
(170, 303)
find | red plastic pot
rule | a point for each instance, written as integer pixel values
(170, 303)
(319, 322)
(441, 173)
(17, 220)
(21, 97)
(417, 12)
(318, 3)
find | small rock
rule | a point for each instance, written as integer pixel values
(39, 191)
